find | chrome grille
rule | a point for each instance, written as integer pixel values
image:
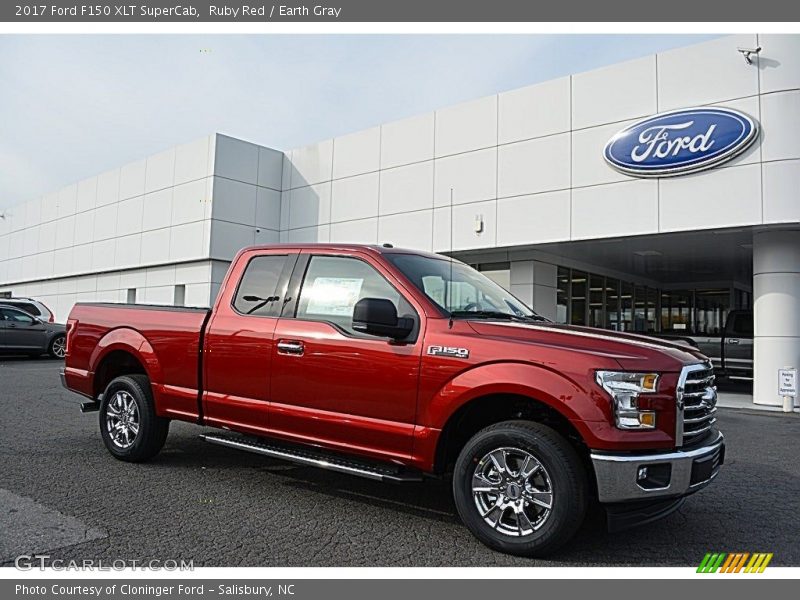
(697, 402)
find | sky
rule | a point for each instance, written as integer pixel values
(74, 106)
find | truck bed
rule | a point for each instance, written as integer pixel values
(169, 343)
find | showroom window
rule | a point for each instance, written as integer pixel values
(180, 295)
(612, 304)
(711, 309)
(597, 301)
(562, 295)
(578, 290)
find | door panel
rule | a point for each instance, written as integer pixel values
(333, 385)
(350, 393)
(23, 332)
(238, 345)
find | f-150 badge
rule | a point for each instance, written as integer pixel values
(448, 351)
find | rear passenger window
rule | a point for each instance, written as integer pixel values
(28, 308)
(743, 325)
(256, 293)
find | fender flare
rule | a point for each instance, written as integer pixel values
(130, 341)
(537, 382)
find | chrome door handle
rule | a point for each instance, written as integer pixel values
(733, 341)
(293, 347)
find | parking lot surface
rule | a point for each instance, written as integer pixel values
(62, 494)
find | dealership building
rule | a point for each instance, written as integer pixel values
(530, 185)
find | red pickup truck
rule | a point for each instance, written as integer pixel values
(394, 365)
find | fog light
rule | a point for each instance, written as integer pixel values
(654, 477)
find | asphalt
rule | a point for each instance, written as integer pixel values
(62, 494)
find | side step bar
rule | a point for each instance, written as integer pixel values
(314, 458)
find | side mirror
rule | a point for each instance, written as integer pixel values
(378, 316)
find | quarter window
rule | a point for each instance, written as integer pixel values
(256, 293)
(332, 286)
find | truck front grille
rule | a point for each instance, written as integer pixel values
(697, 403)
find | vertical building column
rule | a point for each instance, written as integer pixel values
(545, 283)
(522, 280)
(776, 305)
(535, 284)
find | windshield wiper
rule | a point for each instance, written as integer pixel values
(494, 314)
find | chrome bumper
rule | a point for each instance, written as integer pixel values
(632, 477)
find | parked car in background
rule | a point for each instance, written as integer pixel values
(32, 307)
(24, 333)
(732, 352)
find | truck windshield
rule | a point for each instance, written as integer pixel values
(459, 289)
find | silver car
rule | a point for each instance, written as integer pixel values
(37, 308)
(22, 333)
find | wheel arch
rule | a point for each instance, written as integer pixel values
(122, 351)
(488, 409)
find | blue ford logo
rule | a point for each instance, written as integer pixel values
(681, 141)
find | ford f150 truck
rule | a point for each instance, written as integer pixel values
(393, 365)
(731, 353)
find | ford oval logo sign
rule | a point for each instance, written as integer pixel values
(681, 141)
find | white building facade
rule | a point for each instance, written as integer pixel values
(515, 183)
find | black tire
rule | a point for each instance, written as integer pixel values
(151, 430)
(562, 469)
(57, 348)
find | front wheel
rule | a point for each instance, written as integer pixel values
(129, 426)
(520, 488)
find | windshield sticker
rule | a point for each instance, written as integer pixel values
(334, 296)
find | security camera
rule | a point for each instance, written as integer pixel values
(746, 52)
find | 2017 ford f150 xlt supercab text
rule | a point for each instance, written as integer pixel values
(392, 364)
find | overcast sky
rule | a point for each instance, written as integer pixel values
(74, 106)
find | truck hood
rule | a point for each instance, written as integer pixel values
(632, 351)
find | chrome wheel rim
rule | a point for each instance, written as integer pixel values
(60, 347)
(512, 491)
(122, 420)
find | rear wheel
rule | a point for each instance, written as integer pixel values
(520, 488)
(58, 346)
(129, 426)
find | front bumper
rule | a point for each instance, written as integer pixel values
(635, 477)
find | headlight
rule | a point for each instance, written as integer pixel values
(624, 389)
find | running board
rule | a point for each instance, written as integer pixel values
(740, 378)
(314, 458)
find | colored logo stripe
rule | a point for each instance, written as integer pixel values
(734, 562)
